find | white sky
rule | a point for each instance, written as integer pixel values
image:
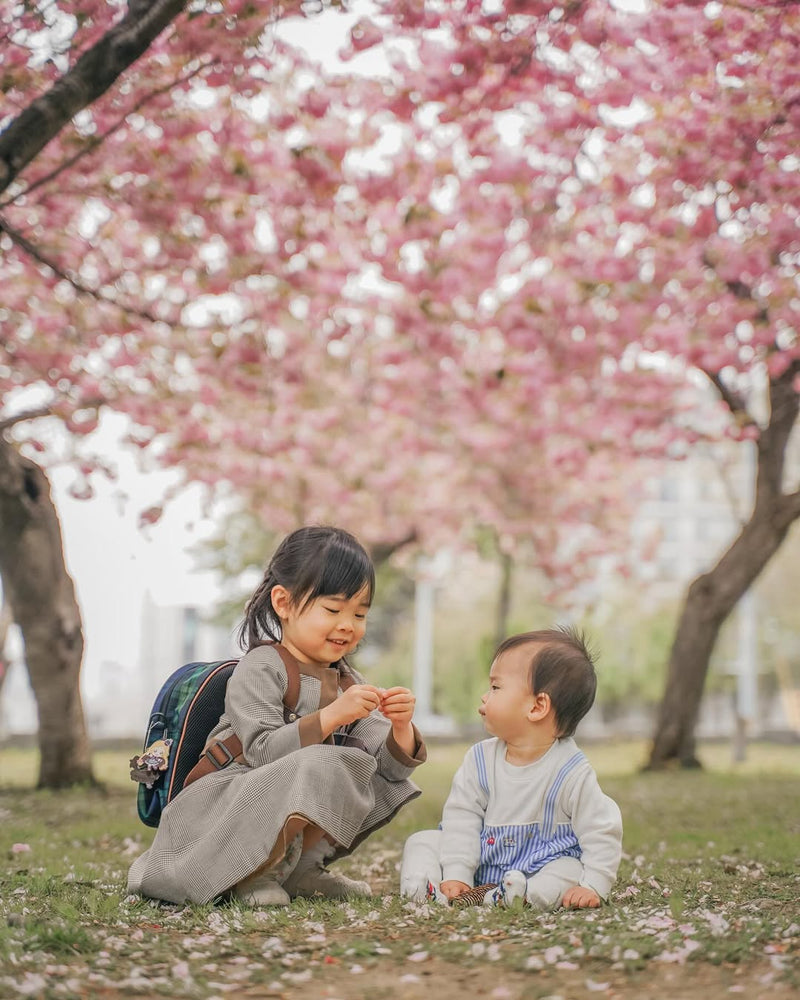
(114, 563)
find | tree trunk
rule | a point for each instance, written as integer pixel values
(712, 596)
(42, 597)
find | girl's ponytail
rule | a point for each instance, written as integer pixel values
(260, 622)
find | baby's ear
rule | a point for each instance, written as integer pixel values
(541, 707)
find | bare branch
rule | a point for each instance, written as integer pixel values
(39, 411)
(739, 289)
(98, 140)
(33, 251)
(48, 410)
(733, 400)
(383, 550)
(787, 510)
(89, 78)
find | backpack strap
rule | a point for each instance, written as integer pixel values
(292, 694)
(221, 753)
(215, 757)
(346, 679)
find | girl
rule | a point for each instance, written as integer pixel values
(309, 784)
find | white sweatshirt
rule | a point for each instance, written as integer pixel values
(500, 817)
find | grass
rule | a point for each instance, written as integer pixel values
(706, 904)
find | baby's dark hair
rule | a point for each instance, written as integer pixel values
(562, 665)
(315, 561)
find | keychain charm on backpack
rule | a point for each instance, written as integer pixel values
(147, 767)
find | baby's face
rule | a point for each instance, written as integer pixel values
(505, 706)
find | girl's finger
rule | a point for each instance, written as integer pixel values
(395, 691)
(401, 697)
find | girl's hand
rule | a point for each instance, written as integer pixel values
(452, 889)
(354, 703)
(397, 704)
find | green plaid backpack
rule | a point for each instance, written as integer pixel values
(186, 709)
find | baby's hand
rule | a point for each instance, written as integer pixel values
(451, 889)
(397, 705)
(580, 897)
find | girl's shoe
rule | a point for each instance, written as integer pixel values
(315, 880)
(262, 890)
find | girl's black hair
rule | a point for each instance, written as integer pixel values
(311, 562)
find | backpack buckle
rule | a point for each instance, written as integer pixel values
(216, 762)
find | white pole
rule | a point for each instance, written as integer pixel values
(747, 659)
(423, 643)
(746, 674)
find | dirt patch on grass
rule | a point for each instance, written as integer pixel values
(440, 980)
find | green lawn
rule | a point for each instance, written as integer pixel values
(706, 904)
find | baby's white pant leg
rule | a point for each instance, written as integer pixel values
(421, 863)
(546, 887)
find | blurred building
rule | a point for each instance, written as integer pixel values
(171, 636)
(118, 705)
(692, 512)
(18, 713)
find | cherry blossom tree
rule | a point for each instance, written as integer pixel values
(465, 293)
(76, 330)
(664, 236)
(181, 229)
(717, 238)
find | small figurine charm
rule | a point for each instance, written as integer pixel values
(147, 767)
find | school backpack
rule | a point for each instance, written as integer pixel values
(186, 709)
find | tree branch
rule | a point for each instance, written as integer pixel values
(383, 550)
(98, 140)
(39, 411)
(739, 289)
(90, 77)
(786, 510)
(33, 251)
(733, 400)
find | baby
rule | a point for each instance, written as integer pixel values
(525, 814)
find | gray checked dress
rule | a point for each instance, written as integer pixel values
(231, 823)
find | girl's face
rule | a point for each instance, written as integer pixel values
(324, 630)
